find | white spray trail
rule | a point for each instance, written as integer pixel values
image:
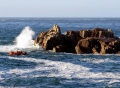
(24, 39)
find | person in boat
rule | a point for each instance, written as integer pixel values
(11, 53)
(18, 52)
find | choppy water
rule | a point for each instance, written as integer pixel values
(46, 69)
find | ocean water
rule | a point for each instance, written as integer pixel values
(46, 69)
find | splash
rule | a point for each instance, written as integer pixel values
(25, 38)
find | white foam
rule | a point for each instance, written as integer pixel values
(8, 48)
(25, 39)
(113, 81)
(61, 69)
(99, 61)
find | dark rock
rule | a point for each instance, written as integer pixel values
(102, 33)
(97, 41)
(109, 45)
(52, 39)
(88, 45)
(118, 53)
(59, 48)
(49, 39)
(85, 33)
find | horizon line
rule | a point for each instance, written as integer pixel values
(60, 17)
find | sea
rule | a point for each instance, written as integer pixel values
(47, 69)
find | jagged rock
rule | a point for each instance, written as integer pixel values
(99, 32)
(88, 45)
(54, 30)
(110, 46)
(40, 38)
(118, 53)
(49, 39)
(98, 45)
(52, 39)
(94, 50)
(85, 33)
(59, 48)
(97, 41)
(74, 35)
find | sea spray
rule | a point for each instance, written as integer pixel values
(25, 38)
(24, 41)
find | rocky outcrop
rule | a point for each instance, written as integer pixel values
(49, 39)
(54, 40)
(98, 45)
(97, 41)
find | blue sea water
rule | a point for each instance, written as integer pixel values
(46, 69)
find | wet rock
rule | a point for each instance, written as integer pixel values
(110, 46)
(88, 45)
(59, 48)
(85, 33)
(97, 41)
(50, 40)
(74, 36)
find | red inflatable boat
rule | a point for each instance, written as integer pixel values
(17, 53)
